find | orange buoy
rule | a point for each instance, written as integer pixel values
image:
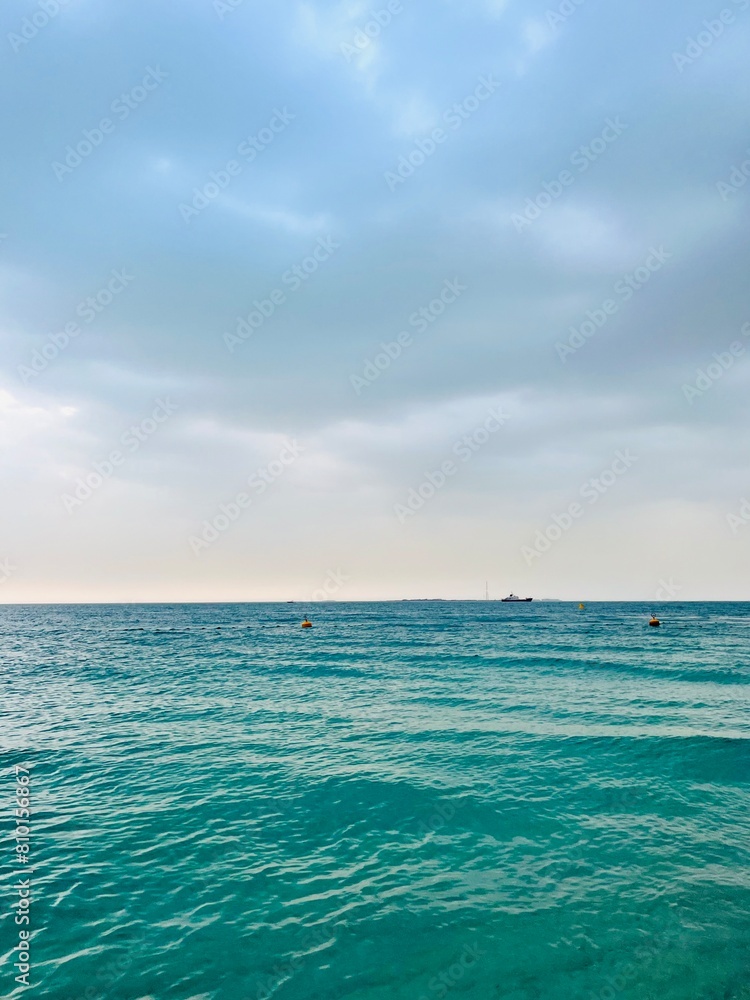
(654, 621)
(307, 623)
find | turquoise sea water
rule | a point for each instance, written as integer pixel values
(410, 800)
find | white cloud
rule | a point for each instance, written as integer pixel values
(280, 218)
(496, 8)
(325, 31)
(413, 115)
(583, 235)
(535, 36)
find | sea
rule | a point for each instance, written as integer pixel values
(408, 801)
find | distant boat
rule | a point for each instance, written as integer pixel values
(514, 597)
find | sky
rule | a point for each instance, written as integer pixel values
(361, 301)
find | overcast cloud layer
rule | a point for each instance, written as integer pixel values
(374, 300)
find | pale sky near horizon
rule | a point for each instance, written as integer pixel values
(272, 271)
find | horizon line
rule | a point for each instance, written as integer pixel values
(380, 600)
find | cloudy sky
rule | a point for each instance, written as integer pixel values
(374, 300)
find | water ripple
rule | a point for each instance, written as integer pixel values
(410, 800)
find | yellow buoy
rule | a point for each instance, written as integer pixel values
(654, 621)
(581, 607)
(307, 623)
